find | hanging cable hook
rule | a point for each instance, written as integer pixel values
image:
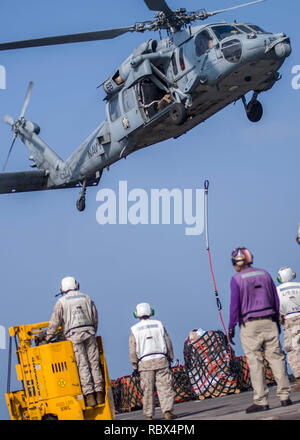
(219, 305)
(206, 185)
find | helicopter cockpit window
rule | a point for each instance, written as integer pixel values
(245, 29)
(203, 42)
(128, 99)
(256, 28)
(232, 50)
(224, 30)
(114, 108)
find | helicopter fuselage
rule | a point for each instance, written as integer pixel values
(164, 89)
(203, 68)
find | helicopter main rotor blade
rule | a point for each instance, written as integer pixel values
(210, 14)
(65, 39)
(10, 150)
(158, 5)
(26, 101)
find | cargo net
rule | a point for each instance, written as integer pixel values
(211, 365)
(211, 370)
(128, 395)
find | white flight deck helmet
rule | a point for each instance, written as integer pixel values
(68, 283)
(143, 309)
(285, 275)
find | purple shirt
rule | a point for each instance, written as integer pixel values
(253, 294)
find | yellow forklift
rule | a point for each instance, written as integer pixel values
(51, 387)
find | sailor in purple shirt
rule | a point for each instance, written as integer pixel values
(255, 307)
(250, 305)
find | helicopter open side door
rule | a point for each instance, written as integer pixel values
(133, 107)
(123, 113)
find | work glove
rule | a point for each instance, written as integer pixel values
(40, 339)
(135, 373)
(231, 333)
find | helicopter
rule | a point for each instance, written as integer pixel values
(162, 90)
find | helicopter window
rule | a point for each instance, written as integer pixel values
(117, 78)
(128, 100)
(181, 59)
(244, 29)
(256, 28)
(203, 42)
(224, 31)
(114, 108)
(232, 50)
(174, 64)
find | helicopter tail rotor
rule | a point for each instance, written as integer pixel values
(26, 100)
(8, 119)
(16, 125)
(9, 152)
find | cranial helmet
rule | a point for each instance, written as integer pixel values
(143, 309)
(68, 283)
(285, 275)
(241, 256)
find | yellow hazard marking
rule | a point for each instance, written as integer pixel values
(62, 383)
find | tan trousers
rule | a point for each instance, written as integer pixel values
(88, 364)
(292, 343)
(262, 335)
(163, 380)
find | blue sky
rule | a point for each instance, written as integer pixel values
(253, 171)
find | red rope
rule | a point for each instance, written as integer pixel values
(216, 293)
(213, 367)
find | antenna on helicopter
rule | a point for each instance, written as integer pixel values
(16, 125)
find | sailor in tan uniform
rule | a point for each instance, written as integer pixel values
(151, 352)
(289, 297)
(77, 314)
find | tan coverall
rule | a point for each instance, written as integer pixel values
(289, 296)
(85, 348)
(154, 372)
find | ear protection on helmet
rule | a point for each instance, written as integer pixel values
(241, 256)
(137, 317)
(292, 274)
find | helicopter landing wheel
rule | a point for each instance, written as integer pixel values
(80, 204)
(178, 114)
(254, 111)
